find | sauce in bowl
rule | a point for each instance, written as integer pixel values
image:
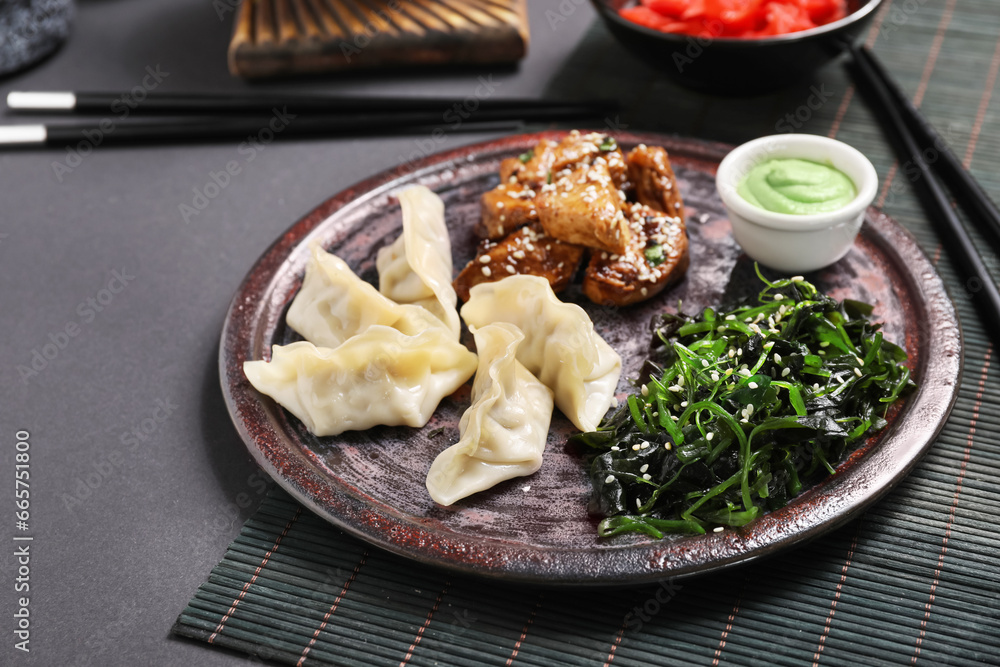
(796, 186)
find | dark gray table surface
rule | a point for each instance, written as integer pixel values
(138, 479)
(126, 526)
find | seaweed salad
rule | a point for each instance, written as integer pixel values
(739, 411)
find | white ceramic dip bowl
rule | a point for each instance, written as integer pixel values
(788, 242)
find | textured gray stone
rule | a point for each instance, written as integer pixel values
(31, 29)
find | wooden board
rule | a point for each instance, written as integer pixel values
(281, 37)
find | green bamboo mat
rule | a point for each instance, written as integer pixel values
(916, 580)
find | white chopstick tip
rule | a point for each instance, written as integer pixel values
(28, 101)
(14, 135)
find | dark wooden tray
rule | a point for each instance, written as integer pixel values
(282, 37)
(536, 529)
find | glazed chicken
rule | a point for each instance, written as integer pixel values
(563, 200)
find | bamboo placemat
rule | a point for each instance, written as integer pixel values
(915, 580)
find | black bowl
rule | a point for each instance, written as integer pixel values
(738, 66)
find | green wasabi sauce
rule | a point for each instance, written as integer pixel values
(799, 187)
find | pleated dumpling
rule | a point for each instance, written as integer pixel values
(334, 304)
(503, 433)
(379, 377)
(416, 268)
(560, 346)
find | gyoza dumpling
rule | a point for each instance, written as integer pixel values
(334, 304)
(503, 432)
(416, 268)
(560, 346)
(381, 376)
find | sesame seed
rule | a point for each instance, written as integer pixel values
(739, 352)
(779, 297)
(752, 385)
(500, 229)
(646, 476)
(674, 388)
(643, 291)
(745, 372)
(860, 360)
(825, 343)
(604, 255)
(797, 279)
(718, 529)
(732, 353)
(815, 385)
(680, 380)
(749, 409)
(704, 363)
(667, 447)
(777, 358)
(609, 479)
(510, 269)
(656, 414)
(684, 404)
(486, 271)
(519, 254)
(645, 390)
(709, 435)
(615, 448)
(720, 328)
(635, 448)
(715, 376)
(730, 317)
(499, 204)
(644, 445)
(485, 259)
(857, 371)
(502, 218)
(785, 372)
(748, 319)
(638, 503)
(644, 468)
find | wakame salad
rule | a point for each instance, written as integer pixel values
(741, 410)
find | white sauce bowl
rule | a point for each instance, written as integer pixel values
(789, 242)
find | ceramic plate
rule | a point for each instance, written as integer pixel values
(536, 529)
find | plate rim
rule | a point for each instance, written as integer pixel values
(574, 568)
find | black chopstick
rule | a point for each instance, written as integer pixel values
(936, 202)
(948, 166)
(89, 134)
(282, 121)
(153, 102)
